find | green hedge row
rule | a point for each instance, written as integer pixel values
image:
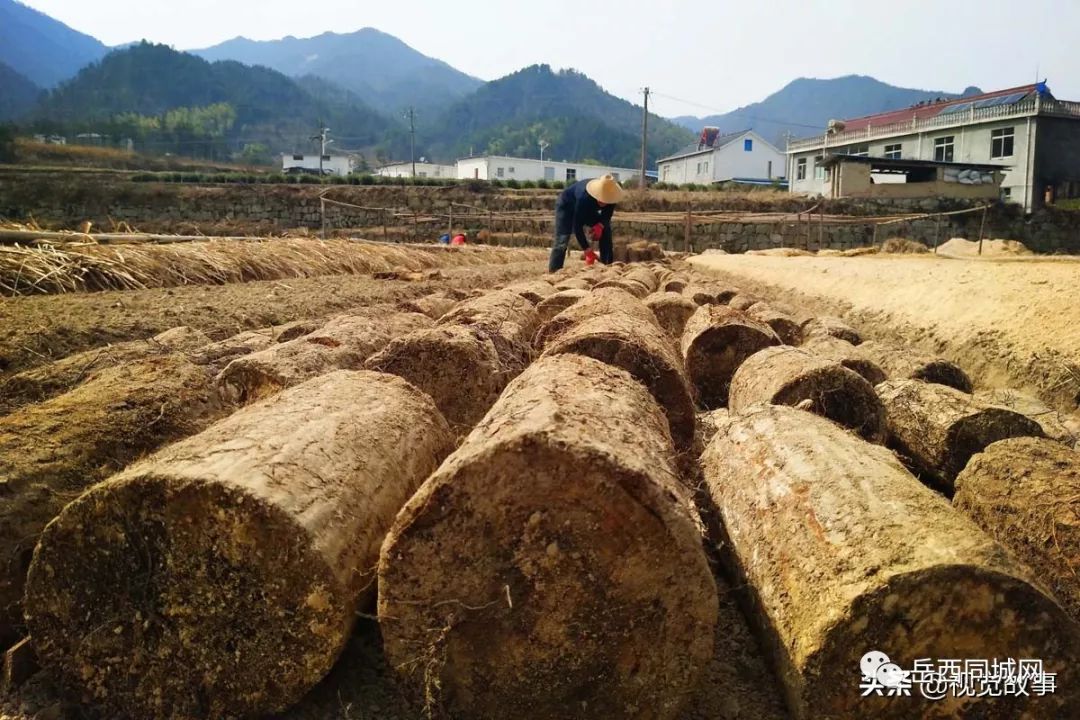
(279, 179)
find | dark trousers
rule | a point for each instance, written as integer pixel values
(562, 242)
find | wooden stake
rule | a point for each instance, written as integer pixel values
(686, 233)
(982, 227)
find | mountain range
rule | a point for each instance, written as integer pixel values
(805, 106)
(264, 97)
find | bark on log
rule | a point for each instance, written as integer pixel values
(743, 302)
(643, 275)
(633, 287)
(344, 343)
(573, 284)
(833, 348)
(552, 567)
(785, 326)
(219, 354)
(1025, 493)
(52, 451)
(46, 381)
(295, 329)
(844, 552)
(644, 351)
(601, 301)
(464, 369)
(903, 364)
(937, 428)
(434, 305)
(675, 285)
(672, 310)
(1056, 426)
(500, 313)
(552, 306)
(786, 375)
(716, 341)
(701, 294)
(222, 576)
(831, 326)
(710, 423)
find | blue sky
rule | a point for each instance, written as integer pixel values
(715, 53)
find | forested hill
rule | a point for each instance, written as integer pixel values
(42, 49)
(17, 94)
(164, 99)
(572, 113)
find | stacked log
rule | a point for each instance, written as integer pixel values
(716, 341)
(784, 375)
(644, 276)
(630, 286)
(1025, 493)
(672, 310)
(1056, 426)
(675, 284)
(844, 552)
(831, 327)
(601, 301)
(52, 451)
(468, 358)
(52, 379)
(552, 306)
(552, 566)
(219, 354)
(222, 576)
(743, 302)
(904, 364)
(644, 351)
(833, 348)
(783, 324)
(532, 290)
(937, 428)
(344, 343)
(573, 284)
(701, 295)
(434, 305)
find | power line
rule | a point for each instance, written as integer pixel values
(748, 116)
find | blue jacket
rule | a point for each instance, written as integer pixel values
(577, 209)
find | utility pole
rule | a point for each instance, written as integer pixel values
(323, 142)
(411, 115)
(544, 145)
(642, 183)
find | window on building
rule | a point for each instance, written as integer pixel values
(422, 174)
(748, 145)
(860, 151)
(298, 157)
(615, 176)
(510, 170)
(706, 166)
(819, 169)
(800, 169)
(666, 168)
(500, 172)
(325, 157)
(943, 148)
(699, 168)
(893, 151)
(1006, 194)
(768, 170)
(571, 174)
(1001, 143)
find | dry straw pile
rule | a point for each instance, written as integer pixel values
(80, 267)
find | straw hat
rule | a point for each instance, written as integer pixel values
(605, 189)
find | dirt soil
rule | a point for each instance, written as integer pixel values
(38, 329)
(1007, 322)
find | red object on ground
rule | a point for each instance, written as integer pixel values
(458, 240)
(597, 232)
(590, 257)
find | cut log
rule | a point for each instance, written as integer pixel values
(843, 552)
(600, 301)
(501, 313)
(552, 567)
(675, 285)
(46, 381)
(344, 343)
(903, 364)
(434, 305)
(1056, 426)
(743, 302)
(1025, 492)
(785, 326)
(534, 290)
(701, 295)
(672, 310)
(633, 287)
(937, 428)
(222, 576)
(710, 423)
(643, 275)
(832, 327)
(52, 451)
(833, 348)
(462, 368)
(573, 284)
(716, 341)
(786, 375)
(644, 351)
(296, 329)
(552, 306)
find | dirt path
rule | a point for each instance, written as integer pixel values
(1009, 323)
(37, 329)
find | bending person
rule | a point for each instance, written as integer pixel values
(586, 203)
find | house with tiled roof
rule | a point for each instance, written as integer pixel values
(1031, 139)
(743, 157)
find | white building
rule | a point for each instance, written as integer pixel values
(1032, 137)
(331, 164)
(423, 169)
(499, 167)
(736, 157)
